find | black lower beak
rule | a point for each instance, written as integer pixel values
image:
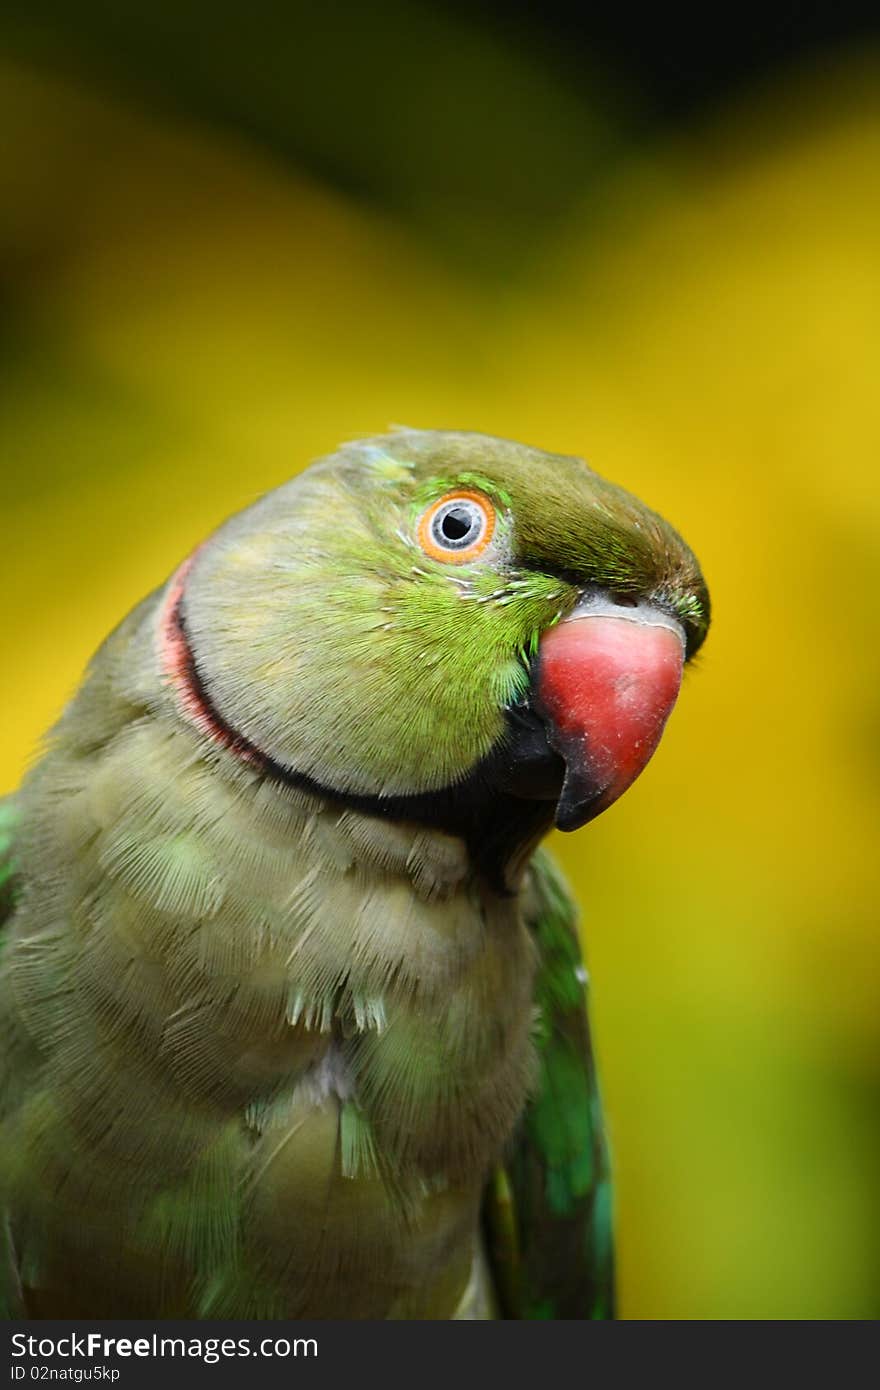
(533, 762)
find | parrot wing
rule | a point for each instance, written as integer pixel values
(8, 823)
(548, 1209)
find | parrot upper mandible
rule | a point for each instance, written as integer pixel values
(292, 1008)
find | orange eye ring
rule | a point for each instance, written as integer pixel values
(457, 527)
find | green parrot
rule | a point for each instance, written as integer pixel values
(292, 1007)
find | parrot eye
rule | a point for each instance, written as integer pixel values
(458, 527)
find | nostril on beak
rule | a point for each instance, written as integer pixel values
(624, 600)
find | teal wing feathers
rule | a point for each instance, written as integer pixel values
(548, 1211)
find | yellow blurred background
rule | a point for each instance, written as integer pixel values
(187, 318)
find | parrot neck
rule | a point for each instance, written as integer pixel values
(499, 827)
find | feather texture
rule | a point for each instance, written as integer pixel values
(548, 1210)
(282, 989)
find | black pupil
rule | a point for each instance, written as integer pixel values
(456, 524)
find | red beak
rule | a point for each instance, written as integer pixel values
(607, 679)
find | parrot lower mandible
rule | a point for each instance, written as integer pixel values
(292, 1006)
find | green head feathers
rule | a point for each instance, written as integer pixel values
(357, 628)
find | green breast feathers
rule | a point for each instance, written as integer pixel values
(292, 1005)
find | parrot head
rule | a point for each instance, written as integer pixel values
(440, 626)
